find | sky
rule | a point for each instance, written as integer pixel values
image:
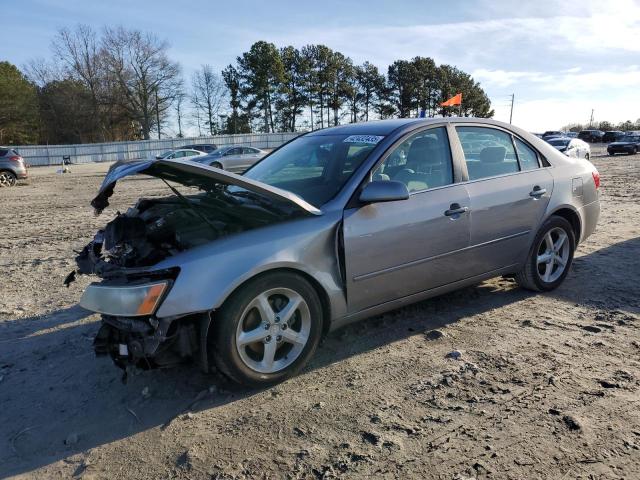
(561, 59)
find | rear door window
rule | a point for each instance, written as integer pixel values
(488, 152)
(3, 152)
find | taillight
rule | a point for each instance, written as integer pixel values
(596, 178)
(15, 158)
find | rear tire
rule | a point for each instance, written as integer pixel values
(550, 257)
(7, 178)
(267, 330)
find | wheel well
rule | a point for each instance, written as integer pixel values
(572, 217)
(322, 294)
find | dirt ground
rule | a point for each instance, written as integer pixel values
(547, 386)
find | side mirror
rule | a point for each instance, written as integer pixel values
(158, 157)
(384, 191)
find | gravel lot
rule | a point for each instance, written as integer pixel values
(547, 386)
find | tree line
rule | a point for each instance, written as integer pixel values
(626, 126)
(121, 84)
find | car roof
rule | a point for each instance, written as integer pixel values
(386, 127)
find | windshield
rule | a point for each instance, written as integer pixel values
(560, 142)
(165, 154)
(631, 138)
(314, 167)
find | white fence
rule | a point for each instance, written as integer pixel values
(36, 155)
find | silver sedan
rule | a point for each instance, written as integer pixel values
(235, 158)
(245, 274)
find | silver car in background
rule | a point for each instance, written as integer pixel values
(180, 153)
(234, 158)
(12, 167)
(245, 274)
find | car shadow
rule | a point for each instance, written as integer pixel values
(57, 399)
(24, 327)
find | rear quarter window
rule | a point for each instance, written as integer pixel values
(527, 156)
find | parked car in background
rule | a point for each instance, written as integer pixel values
(201, 147)
(235, 158)
(571, 147)
(12, 167)
(571, 134)
(552, 133)
(181, 153)
(246, 273)
(629, 144)
(591, 136)
(612, 136)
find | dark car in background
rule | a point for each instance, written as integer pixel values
(612, 136)
(201, 147)
(629, 144)
(591, 136)
(12, 167)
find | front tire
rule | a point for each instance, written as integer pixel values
(217, 165)
(550, 256)
(267, 330)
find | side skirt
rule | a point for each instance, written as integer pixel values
(417, 297)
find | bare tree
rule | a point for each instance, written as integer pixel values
(209, 93)
(147, 79)
(79, 55)
(179, 109)
(40, 71)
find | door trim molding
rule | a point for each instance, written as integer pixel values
(367, 276)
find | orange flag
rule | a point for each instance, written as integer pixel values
(456, 100)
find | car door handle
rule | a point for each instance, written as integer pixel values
(537, 192)
(455, 209)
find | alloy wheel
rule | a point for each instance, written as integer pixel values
(553, 255)
(7, 179)
(273, 330)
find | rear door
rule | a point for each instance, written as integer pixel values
(399, 248)
(509, 189)
(249, 157)
(233, 160)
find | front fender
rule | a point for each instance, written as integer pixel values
(212, 272)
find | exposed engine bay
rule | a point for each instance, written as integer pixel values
(160, 227)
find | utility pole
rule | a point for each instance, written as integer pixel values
(157, 113)
(513, 97)
(591, 119)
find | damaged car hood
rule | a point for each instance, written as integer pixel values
(193, 174)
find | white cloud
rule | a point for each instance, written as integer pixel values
(502, 78)
(554, 113)
(569, 81)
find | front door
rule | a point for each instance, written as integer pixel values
(399, 248)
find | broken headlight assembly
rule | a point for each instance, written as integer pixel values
(124, 300)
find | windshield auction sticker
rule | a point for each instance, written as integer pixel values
(370, 139)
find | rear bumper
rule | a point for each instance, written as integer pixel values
(590, 214)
